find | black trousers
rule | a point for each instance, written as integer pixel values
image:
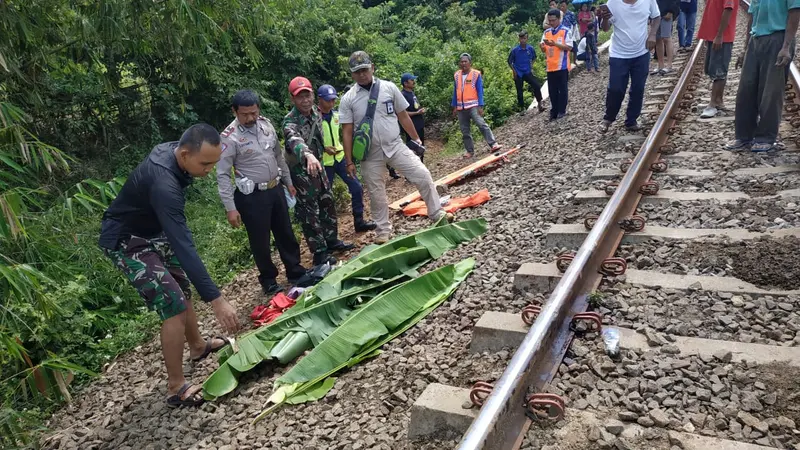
(533, 84)
(262, 212)
(557, 84)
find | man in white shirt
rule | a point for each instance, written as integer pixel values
(386, 144)
(629, 57)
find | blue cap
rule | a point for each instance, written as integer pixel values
(327, 92)
(406, 77)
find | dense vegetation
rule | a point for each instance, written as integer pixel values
(88, 87)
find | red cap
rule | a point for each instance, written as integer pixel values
(298, 85)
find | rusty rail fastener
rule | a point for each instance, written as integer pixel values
(530, 313)
(649, 188)
(479, 392)
(594, 319)
(590, 220)
(542, 405)
(613, 267)
(632, 224)
(563, 261)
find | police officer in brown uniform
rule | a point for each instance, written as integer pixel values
(251, 148)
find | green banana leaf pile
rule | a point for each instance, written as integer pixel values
(379, 275)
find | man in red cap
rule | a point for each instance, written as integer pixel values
(304, 144)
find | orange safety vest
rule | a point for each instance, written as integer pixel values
(557, 59)
(466, 93)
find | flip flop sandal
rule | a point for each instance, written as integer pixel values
(186, 396)
(209, 350)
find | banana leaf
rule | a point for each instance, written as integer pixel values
(324, 307)
(366, 330)
(437, 240)
(296, 331)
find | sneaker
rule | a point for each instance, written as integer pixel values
(761, 147)
(667, 71)
(604, 125)
(443, 215)
(656, 72)
(738, 144)
(634, 127)
(709, 112)
(382, 238)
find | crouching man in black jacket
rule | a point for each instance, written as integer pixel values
(144, 233)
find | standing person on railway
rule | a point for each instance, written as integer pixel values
(145, 235)
(333, 158)
(546, 21)
(468, 105)
(664, 49)
(315, 210)
(415, 111)
(254, 197)
(629, 57)
(521, 61)
(382, 143)
(767, 54)
(718, 29)
(570, 21)
(557, 45)
(686, 21)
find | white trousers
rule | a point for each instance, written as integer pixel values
(373, 169)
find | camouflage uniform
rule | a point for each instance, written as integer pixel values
(153, 269)
(315, 210)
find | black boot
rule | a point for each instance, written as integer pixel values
(322, 258)
(362, 225)
(393, 174)
(340, 246)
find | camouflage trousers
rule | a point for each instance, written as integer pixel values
(316, 211)
(153, 269)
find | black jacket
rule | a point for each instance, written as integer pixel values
(151, 203)
(667, 6)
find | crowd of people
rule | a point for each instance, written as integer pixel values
(377, 125)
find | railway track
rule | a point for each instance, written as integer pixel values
(709, 330)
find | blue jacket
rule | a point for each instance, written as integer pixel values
(521, 59)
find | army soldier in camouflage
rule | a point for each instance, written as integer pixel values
(144, 233)
(251, 148)
(315, 210)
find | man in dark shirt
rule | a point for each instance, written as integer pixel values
(144, 233)
(409, 82)
(521, 59)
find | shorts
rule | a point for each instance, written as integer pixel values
(717, 61)
(665, 32)
(153, 269)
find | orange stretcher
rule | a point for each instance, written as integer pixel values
(459, 175)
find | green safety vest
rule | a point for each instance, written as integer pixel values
(330, 138)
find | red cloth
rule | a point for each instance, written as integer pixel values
(712, 16)
(263, 314)
(418, 207)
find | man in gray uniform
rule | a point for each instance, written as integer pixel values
(250, 147)
(386, 145)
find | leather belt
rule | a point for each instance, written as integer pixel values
(268, 185)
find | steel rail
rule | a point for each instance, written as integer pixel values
(502, 419)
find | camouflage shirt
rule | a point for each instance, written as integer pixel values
(302, 135)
